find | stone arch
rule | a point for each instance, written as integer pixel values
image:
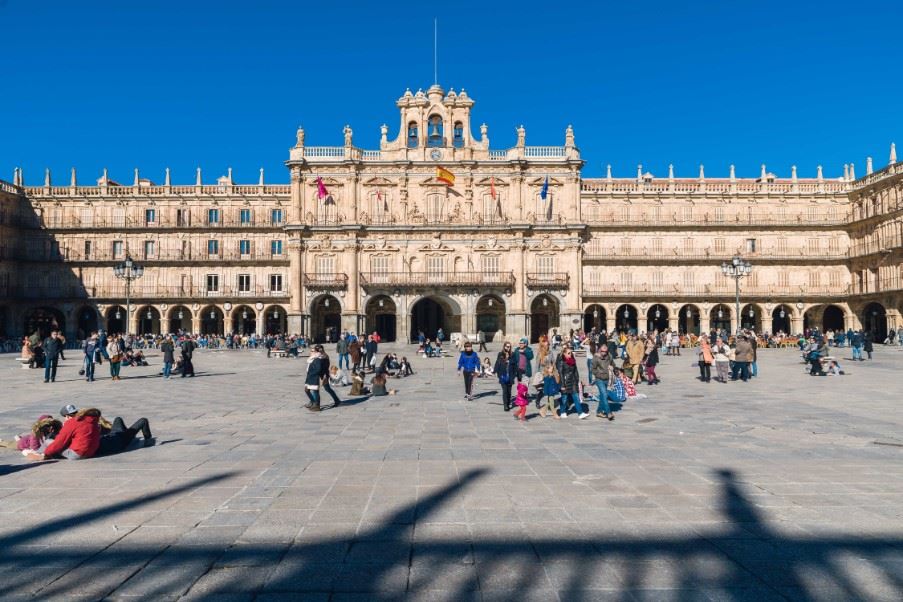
(545, 315)
(87, 321)
(431, 312)
(148, 320)
(325, 318)
(43, 320)
(382, 317)
(490, 313)
(754, 321)
(274, 320)
(833, 318)
(244, 320)
(874, 320)
(782, 319)
(212, 320)
(657, 318)
(627, 317)
(720, 317)
(689, 319)
(179, 318)
(595, 316)
(116, 319)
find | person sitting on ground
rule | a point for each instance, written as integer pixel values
(42, 433)
(378, 385)
(78, 439)
(486, 369)
(337, 377)
(834, 368)
(118, 437)
(357, 384)
(404, 368)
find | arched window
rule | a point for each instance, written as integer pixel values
(436, 136)
(412, 135)
(458, 135)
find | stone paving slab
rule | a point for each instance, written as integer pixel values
(787, 487)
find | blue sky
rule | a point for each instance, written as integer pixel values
(218, 84)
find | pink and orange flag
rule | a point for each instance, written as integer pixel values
(321, 189)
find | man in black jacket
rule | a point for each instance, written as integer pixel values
(52, 348)
(188, 347)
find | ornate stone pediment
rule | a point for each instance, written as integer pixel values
(488, 182)
(378, 181)
(542, 180)
(433, 181)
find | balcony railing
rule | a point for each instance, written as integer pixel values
(139, 291)
(173, 257)
(438, 278)
(326, 282)
(108, 223)
(551, 280)
(881, 286)
(644, 254)
(714, 185)
(711, 291)
(267, 190)
(618, 219)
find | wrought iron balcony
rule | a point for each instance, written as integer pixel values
(326, 282)
(548, 280)
(438, 278)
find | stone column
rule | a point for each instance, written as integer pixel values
(296, 211)
(196, 322)
(705, 324)
(260, 322)
(674, 321)
(796, 324)
(517, 323)
(296, 287)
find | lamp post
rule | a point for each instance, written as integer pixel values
(128, 270)
(737, 268)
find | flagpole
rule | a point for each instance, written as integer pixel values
(436, 51)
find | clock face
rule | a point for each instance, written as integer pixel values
(436, 154)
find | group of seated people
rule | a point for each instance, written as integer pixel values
(81, 434)
(816, 354)
(377, 388)
(430, 348)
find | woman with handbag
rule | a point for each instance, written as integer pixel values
(115, 357)
(545, 357)
(506, 370)
(570, 384)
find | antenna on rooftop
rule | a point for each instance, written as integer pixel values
(435, 51)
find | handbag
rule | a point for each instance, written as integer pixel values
(505, 378)
(116, 358)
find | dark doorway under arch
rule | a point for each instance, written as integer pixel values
(43, 320)
(381, 318)
(874, 320)
(428, 316)
(833, 318)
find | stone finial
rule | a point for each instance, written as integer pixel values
(846, 171)
(569, 136)
(299, 137)
(793, 172)
(608, 171)
(868, 165)
(820, 175)
(484, 132)
(348, 134)
(197, 177)
(701, 172)
(733, 173)
(852, 171)
(639, 171)
(260, 179)
(73, 181)
(763, 175)
(893, 153)
(137, 178)
(17, 176)
(671, 171)
(229, 175)
(384, 134)
(47, 177)
(521, 136)
(104, 178)
(166, 179)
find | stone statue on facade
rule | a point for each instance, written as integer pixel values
(347, 131)
(299, 138)
(521, 136)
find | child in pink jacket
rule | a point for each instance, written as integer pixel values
(521, 402)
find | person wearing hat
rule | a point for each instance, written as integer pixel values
(78, 439)
(743, 355)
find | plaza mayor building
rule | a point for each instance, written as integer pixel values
(436, 228)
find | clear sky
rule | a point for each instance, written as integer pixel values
(216, 84)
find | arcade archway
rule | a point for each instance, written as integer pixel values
(179, 319)
(244, 320)
(751, 318)
(325, 319)
(657, 318)
(544, 316)
(148, 320)
(429, 314)
(43, 320)
(689, 320)
(116, 319)
(720, 318)
(87, 322)
(382, 317)
(833, 318)
(780, 319)
(490, 316)
(274, 319)
(626, 318)
(212, 320)
(595, 317)
(874, 320)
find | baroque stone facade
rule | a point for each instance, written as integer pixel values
(518, 245)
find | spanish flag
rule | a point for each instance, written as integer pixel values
(443, 175)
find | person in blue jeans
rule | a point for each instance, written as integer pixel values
(602, 368)
(92, 351)
(614, 392)
(856, 344)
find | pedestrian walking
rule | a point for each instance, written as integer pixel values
(168, 349)
(635, 350)
(523, 355)
(188, 347)
(742, 358)
(551, 389)
(354, 350)
(545, 357)
(312, 381)
(324, 375)
(481, 341)
(570, 383)
(705, 358)
(721, 355)
(341, 349)
(92, 356)
(602, 374)
(468, 364)
(521, 402)
(506, 371)
(867, 343)
(650, 361)
(113, 355)
(52, 348)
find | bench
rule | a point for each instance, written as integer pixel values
(278, 353)
(24, 362)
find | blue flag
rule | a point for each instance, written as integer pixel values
(545, 189)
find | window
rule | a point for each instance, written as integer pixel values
(545, 264)
(833, 245)
(87, 249)
(490, 264)
(750, 245)
(183, 218)
(244, 283)
(812, 214)
(436, 134)
(325, 265)
(625, 246)
(119, 217)
(458, 135)
(783, 279)
(379, 207)
(117, 249)
(186, 250)
(244, 247)
(782, 246)
(719, 214)
(689, 280)
(275, 247)
(492, 208)
(276, 217)
(626, 280)
(834, 279)
(245, 217)
(719, 245)
(688, 213)
(814, 279)
(658, 279)
(212, 283)
(379, 269)
(413, 137)
(150, 217)
(813, 246)
(213, 217)
(435, 264)
(87, 217)
(150, 249)
(657, 245)
(212, 247)
(276, 283)
(688, 244)
(435, 208)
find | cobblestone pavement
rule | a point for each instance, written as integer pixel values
(788, 487)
